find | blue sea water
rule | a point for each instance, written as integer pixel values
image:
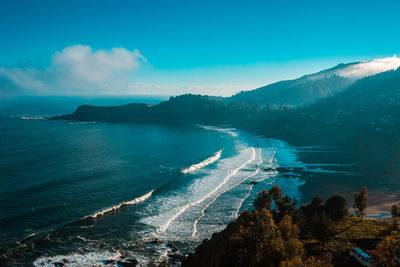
(84, 193)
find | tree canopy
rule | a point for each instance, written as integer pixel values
(360, 202)
(336, 207)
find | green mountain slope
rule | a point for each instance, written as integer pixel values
(304, 90)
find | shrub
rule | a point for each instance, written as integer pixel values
(395, 213)
(320, 226)
(263, 200)
(387, 253)
(317, 201)
(336, 207)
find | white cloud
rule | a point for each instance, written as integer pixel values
(24, 78)
(369, 68)
(80, 70)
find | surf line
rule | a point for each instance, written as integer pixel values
(248, 194)
(165, 226)
(204, 163)
(251, 187)
(226, 190)
(126, 203)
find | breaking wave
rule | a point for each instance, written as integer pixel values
(257, 181)
(88, 259)
(204, 163)
(231, 131)
(32, 118)
(165, 226)
(80, 122)
(226, 190)
(116, 207)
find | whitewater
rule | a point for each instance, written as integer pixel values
(226, 190)
(181, 210)
(123, 204)
(204, 163)
(232, 175)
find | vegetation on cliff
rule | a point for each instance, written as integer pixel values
(277, 233)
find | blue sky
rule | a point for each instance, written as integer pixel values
(214, 47)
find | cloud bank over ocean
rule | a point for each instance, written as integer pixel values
(77, 70)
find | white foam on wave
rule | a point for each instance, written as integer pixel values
(224, 191)
(231, 131)
(31, 235)
(176, 214)
(165, 226)
(126, 203)
(161, 208)
(242, 200)
(275, 173)
(271, 161)
(32, 118)
(82, 238)
(80, 122)
(248, 194)
(87, 259)
(204, 163)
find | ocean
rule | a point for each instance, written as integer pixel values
(93, 193)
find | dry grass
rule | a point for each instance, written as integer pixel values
(352, 228)
(349, 233)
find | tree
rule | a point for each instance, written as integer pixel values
(320, 226)
(283, 205)
(286, 206)
(263, 200)
(276, 193)
(253, 239)
(387, 253)
(336, 207)
(360, 202)
(290, 234)
(309, 262)
(395, 212)
(317, 201)
(299, 218)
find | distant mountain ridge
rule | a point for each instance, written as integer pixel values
(310, 88)
(298, 92)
